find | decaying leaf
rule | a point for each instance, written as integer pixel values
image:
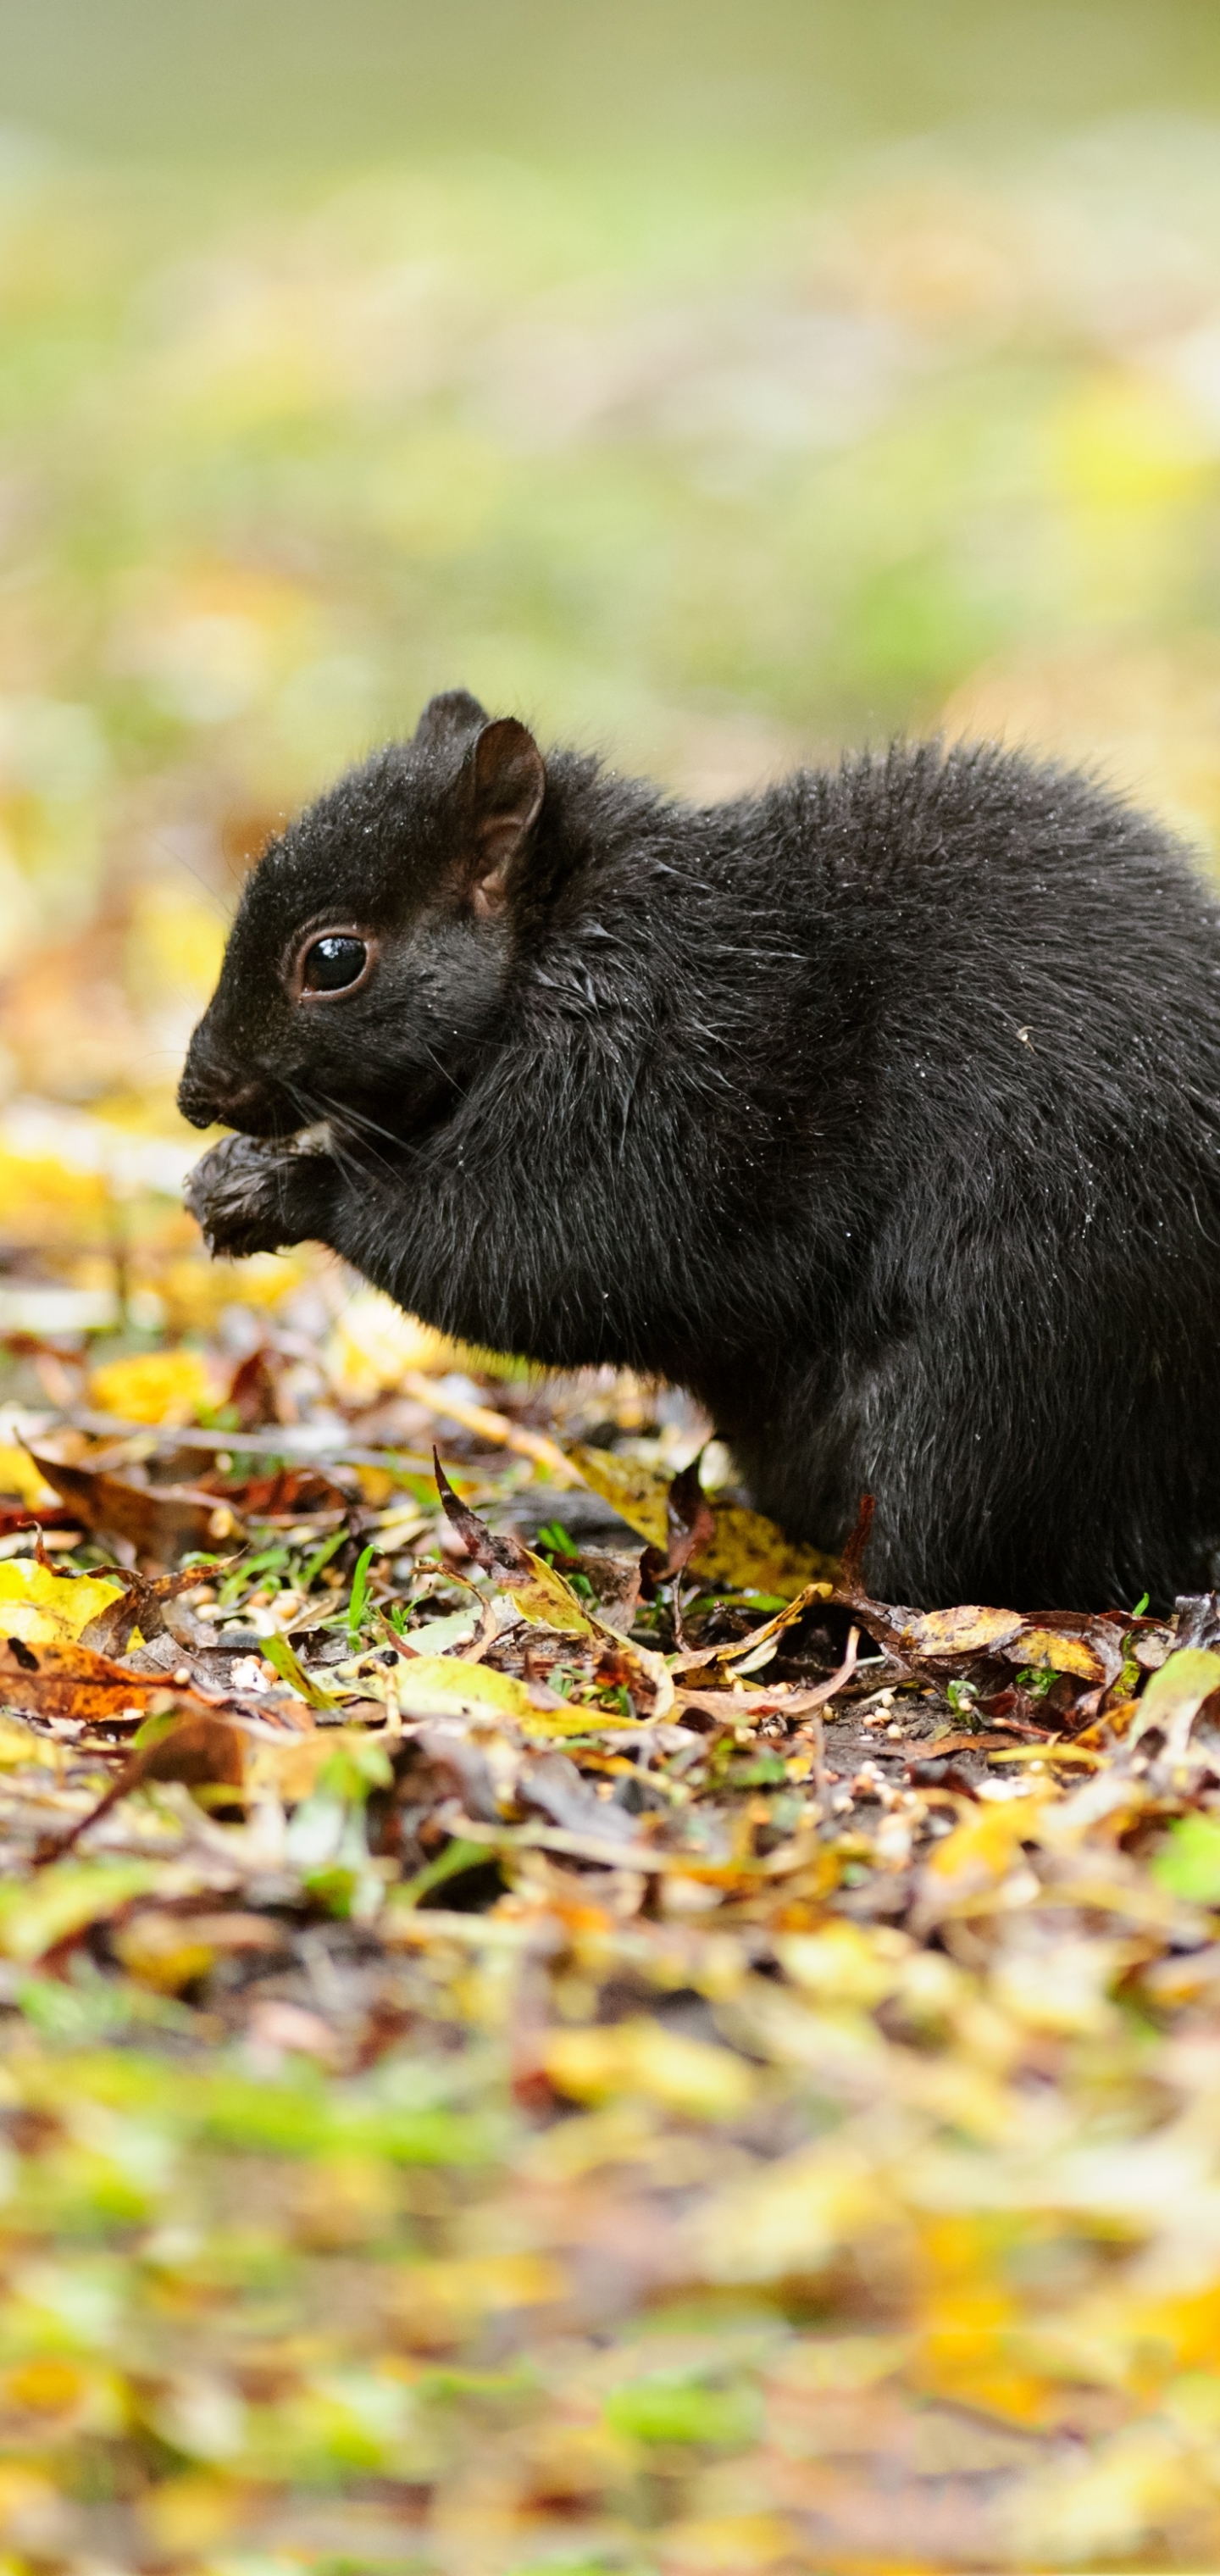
(747, 1553)
(689, 1525)
(141, 1602)
(638, 1494)
(71, 1684)
(161, 1522)
(741, 1551)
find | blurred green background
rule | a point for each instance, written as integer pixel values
(714, 384)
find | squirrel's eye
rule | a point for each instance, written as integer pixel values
(333, 964)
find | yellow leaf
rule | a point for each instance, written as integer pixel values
(374, 1344)
(183, 2514)
(638, 1494)
(967, 1631)
(155, 1386)
(30, 2510)
(747, 1553)
(442, 2300)
(20, 1476)
(687, 2076)
(1047, 1651)
(722, 2544)
(37, 1913)
(444, 1686)
(46, 1609)
(840, 1964)
(19, 1744)
(163, 1951)
(794, 2216)
(980, 1853)
(547, 1598)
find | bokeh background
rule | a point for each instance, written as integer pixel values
(714, 384)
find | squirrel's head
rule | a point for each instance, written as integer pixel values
(370, 956)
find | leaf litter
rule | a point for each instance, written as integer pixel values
(544, 2028)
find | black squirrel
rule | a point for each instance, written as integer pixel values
(881, 1110)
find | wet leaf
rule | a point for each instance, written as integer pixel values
(743, 1551)
(747, 1553)
(1043, 1649)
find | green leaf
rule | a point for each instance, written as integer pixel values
(357, 1765)
(284, 1660)
(360, 1592)
(1175, 1696)
(664, 2409)
(1188, 1864)
(457, 1857)
(36, 1914)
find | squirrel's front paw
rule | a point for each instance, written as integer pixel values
(244, 1195)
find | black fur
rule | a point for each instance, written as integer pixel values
(882, 1110)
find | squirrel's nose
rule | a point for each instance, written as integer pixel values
(208, 1101)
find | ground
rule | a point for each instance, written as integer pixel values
(542, 2028)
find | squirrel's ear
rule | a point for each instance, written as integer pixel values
(509, 784)
(447, 718)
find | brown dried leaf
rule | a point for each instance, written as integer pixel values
(689, 1524)
(161, 1522)
(58, 1683)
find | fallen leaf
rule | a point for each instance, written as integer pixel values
(20, 1478)
(51, 1609)
(70, 1682)
(977, 1856)
(168, 1951)
(743, 1551)
(1046, 1651)
(638, 1494)
(639, 2057)
(153, 1386)
(539, 1591)
(37, 1914)
(160, 1521)
(1174, 1697)
(142, 1603)
(748, 1553)
(960, 1632)
(689, 1524)
(445, 1685)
